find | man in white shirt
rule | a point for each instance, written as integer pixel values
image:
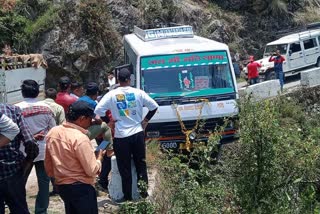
(8, 130)
(40, 120)
(111, 79)
(126, 106)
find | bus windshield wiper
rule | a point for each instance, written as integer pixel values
(167, 97)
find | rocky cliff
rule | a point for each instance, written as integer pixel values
(84, 39)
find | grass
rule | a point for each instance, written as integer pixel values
(241, 80)
(43, 22)
(152, 152)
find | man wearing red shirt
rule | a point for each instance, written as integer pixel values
(63, 97)
(253, 72)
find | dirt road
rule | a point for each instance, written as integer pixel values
(56, 206)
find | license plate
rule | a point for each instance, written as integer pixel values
(169, 145)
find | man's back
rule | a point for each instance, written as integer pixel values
(39, 118)
(57, 110)
(126, 105)
(65, 100)
(253, 69)
(87, 99)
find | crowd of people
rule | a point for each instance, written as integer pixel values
(54, 135)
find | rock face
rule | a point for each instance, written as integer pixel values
(85, 41)
(83, 44)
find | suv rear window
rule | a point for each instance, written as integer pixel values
(310, 43)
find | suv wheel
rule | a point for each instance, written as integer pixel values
(271, 75)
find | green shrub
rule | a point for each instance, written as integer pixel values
(140, 207)
(25, 22)
(96, 25)
(277, 163)
(273, 168)
(43, 22)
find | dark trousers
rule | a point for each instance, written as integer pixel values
(105, 170)
(125, 148)
(54, 187)
(42, 200)
(13, 193)
(79, 198)
(254, 81)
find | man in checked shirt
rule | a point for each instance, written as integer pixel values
(12, 162)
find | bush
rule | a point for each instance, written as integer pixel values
(23, 23)
(273, 168)
(140, 207)
(277, 162)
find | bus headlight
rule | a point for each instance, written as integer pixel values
(192, 136)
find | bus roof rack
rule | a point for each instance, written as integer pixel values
(173, 31)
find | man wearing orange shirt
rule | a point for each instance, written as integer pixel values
(71, 161)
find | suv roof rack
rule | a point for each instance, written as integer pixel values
(314, 25)
(299, 30)
(164, 32)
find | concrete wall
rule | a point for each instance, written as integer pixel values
(311, 77)
(262, 90)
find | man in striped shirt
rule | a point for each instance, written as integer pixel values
(40, 120)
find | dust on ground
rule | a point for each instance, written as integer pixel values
(105, 204)
(56, 206)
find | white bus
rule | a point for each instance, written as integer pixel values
(190, 77)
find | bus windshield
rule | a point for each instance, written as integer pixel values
(192, 74)
(270, 49)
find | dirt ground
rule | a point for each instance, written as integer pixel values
(56, 206)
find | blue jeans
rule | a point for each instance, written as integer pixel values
(13, 193)
(42, 200)
(254, 81)
(280, 76)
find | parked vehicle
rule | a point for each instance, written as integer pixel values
(11, 80)
(190, 77)
(301, 50)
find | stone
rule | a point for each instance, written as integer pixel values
(310, 78)
(263, 90)
(115, 187)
